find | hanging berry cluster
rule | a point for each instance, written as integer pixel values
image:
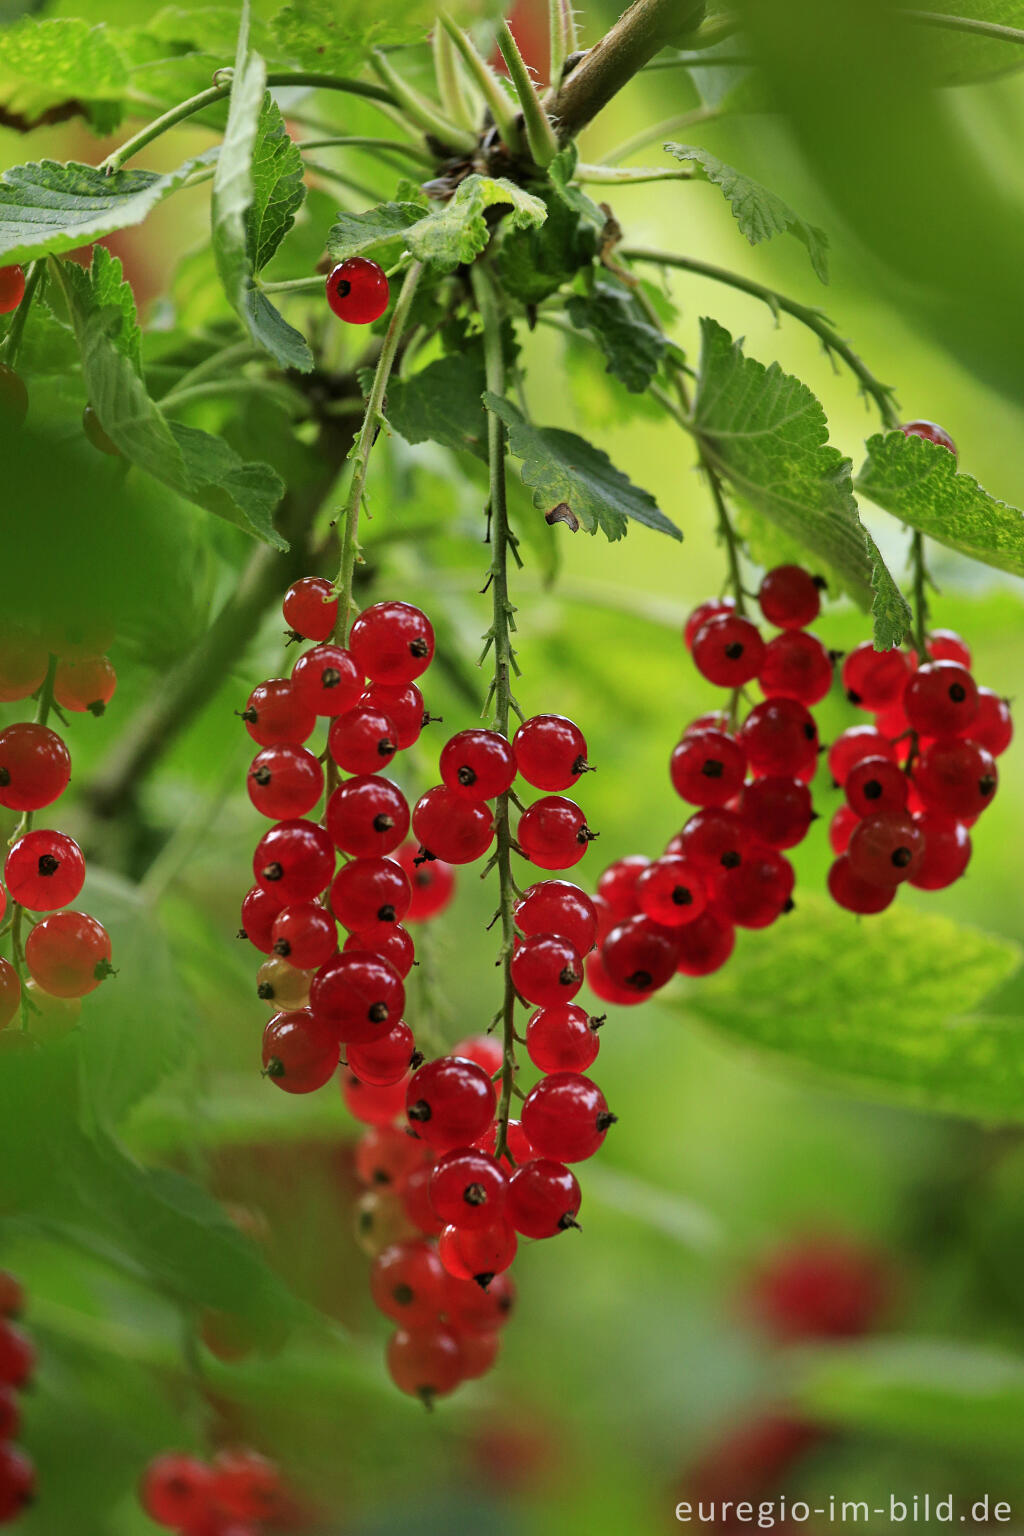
(17, 1364)
(234, 1495)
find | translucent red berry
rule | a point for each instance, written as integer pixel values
(44, 870)
(709, 609)
(403, 706)
(956, 779)
(357, 290)
(795, 666)
(17, 1356)
(294, 861)
(284, 782)
(558, 906)
(875, 679)
(790, 597)
(35, 766)
(259, 909)
(24, 662)
(433, 884)
(450, 1102)
(705, 945)
(671, 892)
(12, 288)
(471, 1309)
(386, 1157)
(543, 1198)
(758, 890)
(617, 886)
(728, 650)
(885, 849)
(992, 726)
(452, 828)
(602, 986)
(425, 1362)
(393, 643)
(478, 1253)
(947, 645)
(818, 1288)
(17, 1482)
(478, 764)
(368, 816)
(849, 890)
(546, 969)
(359, 994)
(553, 833)
(841, 828)
(562, 1038)
(275, 713)
(383, 1062)
(566, 1117)
(304, 934)
(367, 891)
(10, 1414)
(931, 432)
(176, 1490)
(300, 1051)
(777, 810)
(362, 740)
(875, 785)
(781, 738)
(713, 841)
(947, 852)
(941, 699)
(854, 744)
(391, 940)
(707, 767)
(327, 680)
(468, 1189)
(310, 608)
(415, 1197)
(246, 1486)
(407, 1283)
(86, 686)
(68, 954)
(551, 751)
(485, 1050)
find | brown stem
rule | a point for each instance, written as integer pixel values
(631, 43)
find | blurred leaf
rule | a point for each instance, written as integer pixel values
(802, 997)
(333, 36)
(956, 58)
(919, 483)
(633, 347)
(562, 468)
(759, 213)
(47, 61)
(443, 403)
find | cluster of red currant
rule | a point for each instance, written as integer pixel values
(232, 1496)
(17, 1363)
(66, 954)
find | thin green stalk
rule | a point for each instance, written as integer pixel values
(661, 131)
(217, 388)
(563, 37)
(350, 183)
(313, 284)
(449, 80)
(12, 341)
(613, 176)
(491, 88)
(540, 136)
(419, 109)
(970, 24)
(363, 141)
(687, 61)
(228, 357)
(920, 578)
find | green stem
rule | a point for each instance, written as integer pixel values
(350, 183)
(611, 175)
(449, 81)
(227, 357)
(920, 577)
(540, 136)
(216, 389)
(500, 638)
(420, 110)
(12, 341)
(563, 36)
(991, 29)
(361, 141)
(661, 131)
(489, 85)
(295, 285)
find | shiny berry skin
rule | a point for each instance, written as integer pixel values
(44, 870)
(176, 1490)
(885, 849)
(68, 954)
(713, 841)
(368, 816)
(327, 680)
(283, 985)
(479, 1353)
(12, 288)
(407, 1283)
(478, 1253)
(518, 1142)
(10, 993)
(875, 786)
(947, 852)
(393, 643)
(478, 765)
(304, 934)
(386, 1157)
(284, 782)
(310, 608)
(17, 1482)
(875, 679)
(259, 910)
(433, 884)
(758, 891)
(711, 608)
(566, 1117)
(704, 946)
(617, 886)
(359, 994)
(425, 1362)
(451, 828)
(543, 1198)
(403, 706)
(795, 666)
(639, 955)
(24, 662)
(450, 1102)
(246, 1486)
(671, 892)
(391, 940)
(947, 645)
(358, 290)
(848, 890)
(858, 742)
(17, 1356)
(707, 767)
(546, 969)
(367, 891)
(371, 1103)
(415, 1198)
(35, 766)
(841, 828)
(553, 833)
(562, 1038)
(293, 861)
(84, 687)
(777, 810)
(790, 597)
(382, 1063)
(956, 779)
(13, 396)
(300, 1051)
(931, 432)
(602, 986)
(362, 740)
(473, 1310)
(781, 738)
(274, 713)
(558, 906)
(551, 751)
(992, 726)
(485, 1050)
(941, 699)
(728, 650)
(468, 1189)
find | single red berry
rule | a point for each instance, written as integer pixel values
(357, 290)
(386, 1157)
(294, 861)
(566, 1117)
(790, 597)
(858, 742)
(841, 828)
(640, 955)
(10, 992)
(875, 679)
(546, 969)
(617, 886)
(704, 946)
(176, 1490)
(415, 1197)
(947, 645)
(24, 662)
(468, 1189)
(425, 1362)
(367, 891)
(12, 288)
(13, 396)
(551, 751)
(795, 666)
(368, 816)
(35, 766)
(947, 852)
(433, 884)
(362, 740)
(781, 738)
(714, 841)
(956, 779)
(68, 954)
(710, 720)
(941, 699)
(777, 810)
(885, 849)
(875, 786)
(478, 765)
(757, 891)
(671, 892)
(310, 608)
(85, 687)
(543, 1198)
(300, 1051)
(849, 890)
(818, 1288)
(562, 1038)
(17, 1482)
(450, 1102)
(360, 995)
(558, 906)
(17, 1356)
(992, 726)
(931, 432)
(473, 1310)
(393, 643)
(12, 1295)
(284, 782)
(259, 910)
(711, 608)
(479, 1352)
(275, 713)
(407, 1283)
(708, 767)
(10, 1414)
(602, 986)
(485, 1050)
(728, 650)
(327, 680)
(246, 1486)
(451, 828)
(304, 934)
(478, 1253)
(403, 706)
(518, 1142)
(44, 870)
(391, 940)
(383, 1062)
(553, 833)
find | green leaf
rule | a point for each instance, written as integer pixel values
(380, 231)
(954, 57)
(560, 174)
(334, 36)
(564, 469)
(915, 1041)
(919, 483)
(443, 403)
(47, 208)
(535, 263)
(632, 346)
(759, 213)
(278, 187)
(766, 434)
(61, 58)
(458, 231)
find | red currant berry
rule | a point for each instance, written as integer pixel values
(12, 288)
(947, 645)
(425, 1362)
(517, 1140)
(558, 906)
(947, 852)
(17, 1482)
(404, 707)
(85, 687)
(327, 680)
(941, 699)
(618, 886)
(433, 884)
(858, 742)
(393, 643)
(293, 861)
(602, 986)
(176, 1490)
(711, 608)
(384, 1062)
(360, 995)
(387, 1157)
(707, 767)
(551, 751)
(818, 1289)
(848, 890)
(23, 666)
(285, 782)
(388, 939)
(790, 597)
(310, 608)
(368, 816)
(992, 726)
(468, 1189)
(362, 740)
(246, 1486)
(259, 910)
(10, 993)
(68, 954)
(275, 713)
(543, 1198)
(728, 650)
(704, 946)
(368, 891)
(931, 432)
(300, 1051)
(450, 1102)
(713, 841)
(357, 290)
(841, 828)
(485, 1050)
(10, 1415)
(374, 1105)
(35, 766)
(305, 935)
(875, 786)
(777, 810)
(12, 1295)
(566, 1117)
(553, 833)
(562, 1038)
(671, 892)
(478, 765)
(478, 1253)
(546, 969)
(472, 1310)
(956, 779)
(17, 1356)
(875, 679)
(885, 849)
(407, 1283)
(415, 1196)
(452, 828)
(13, 396)
(781, 739)
(479, 1352)
(44, 870)
(796, 666)
(758, 891)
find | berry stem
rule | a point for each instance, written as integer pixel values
(660, 132)
(969, 24)
(563, 36)
(920, 576)
(16, 330)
